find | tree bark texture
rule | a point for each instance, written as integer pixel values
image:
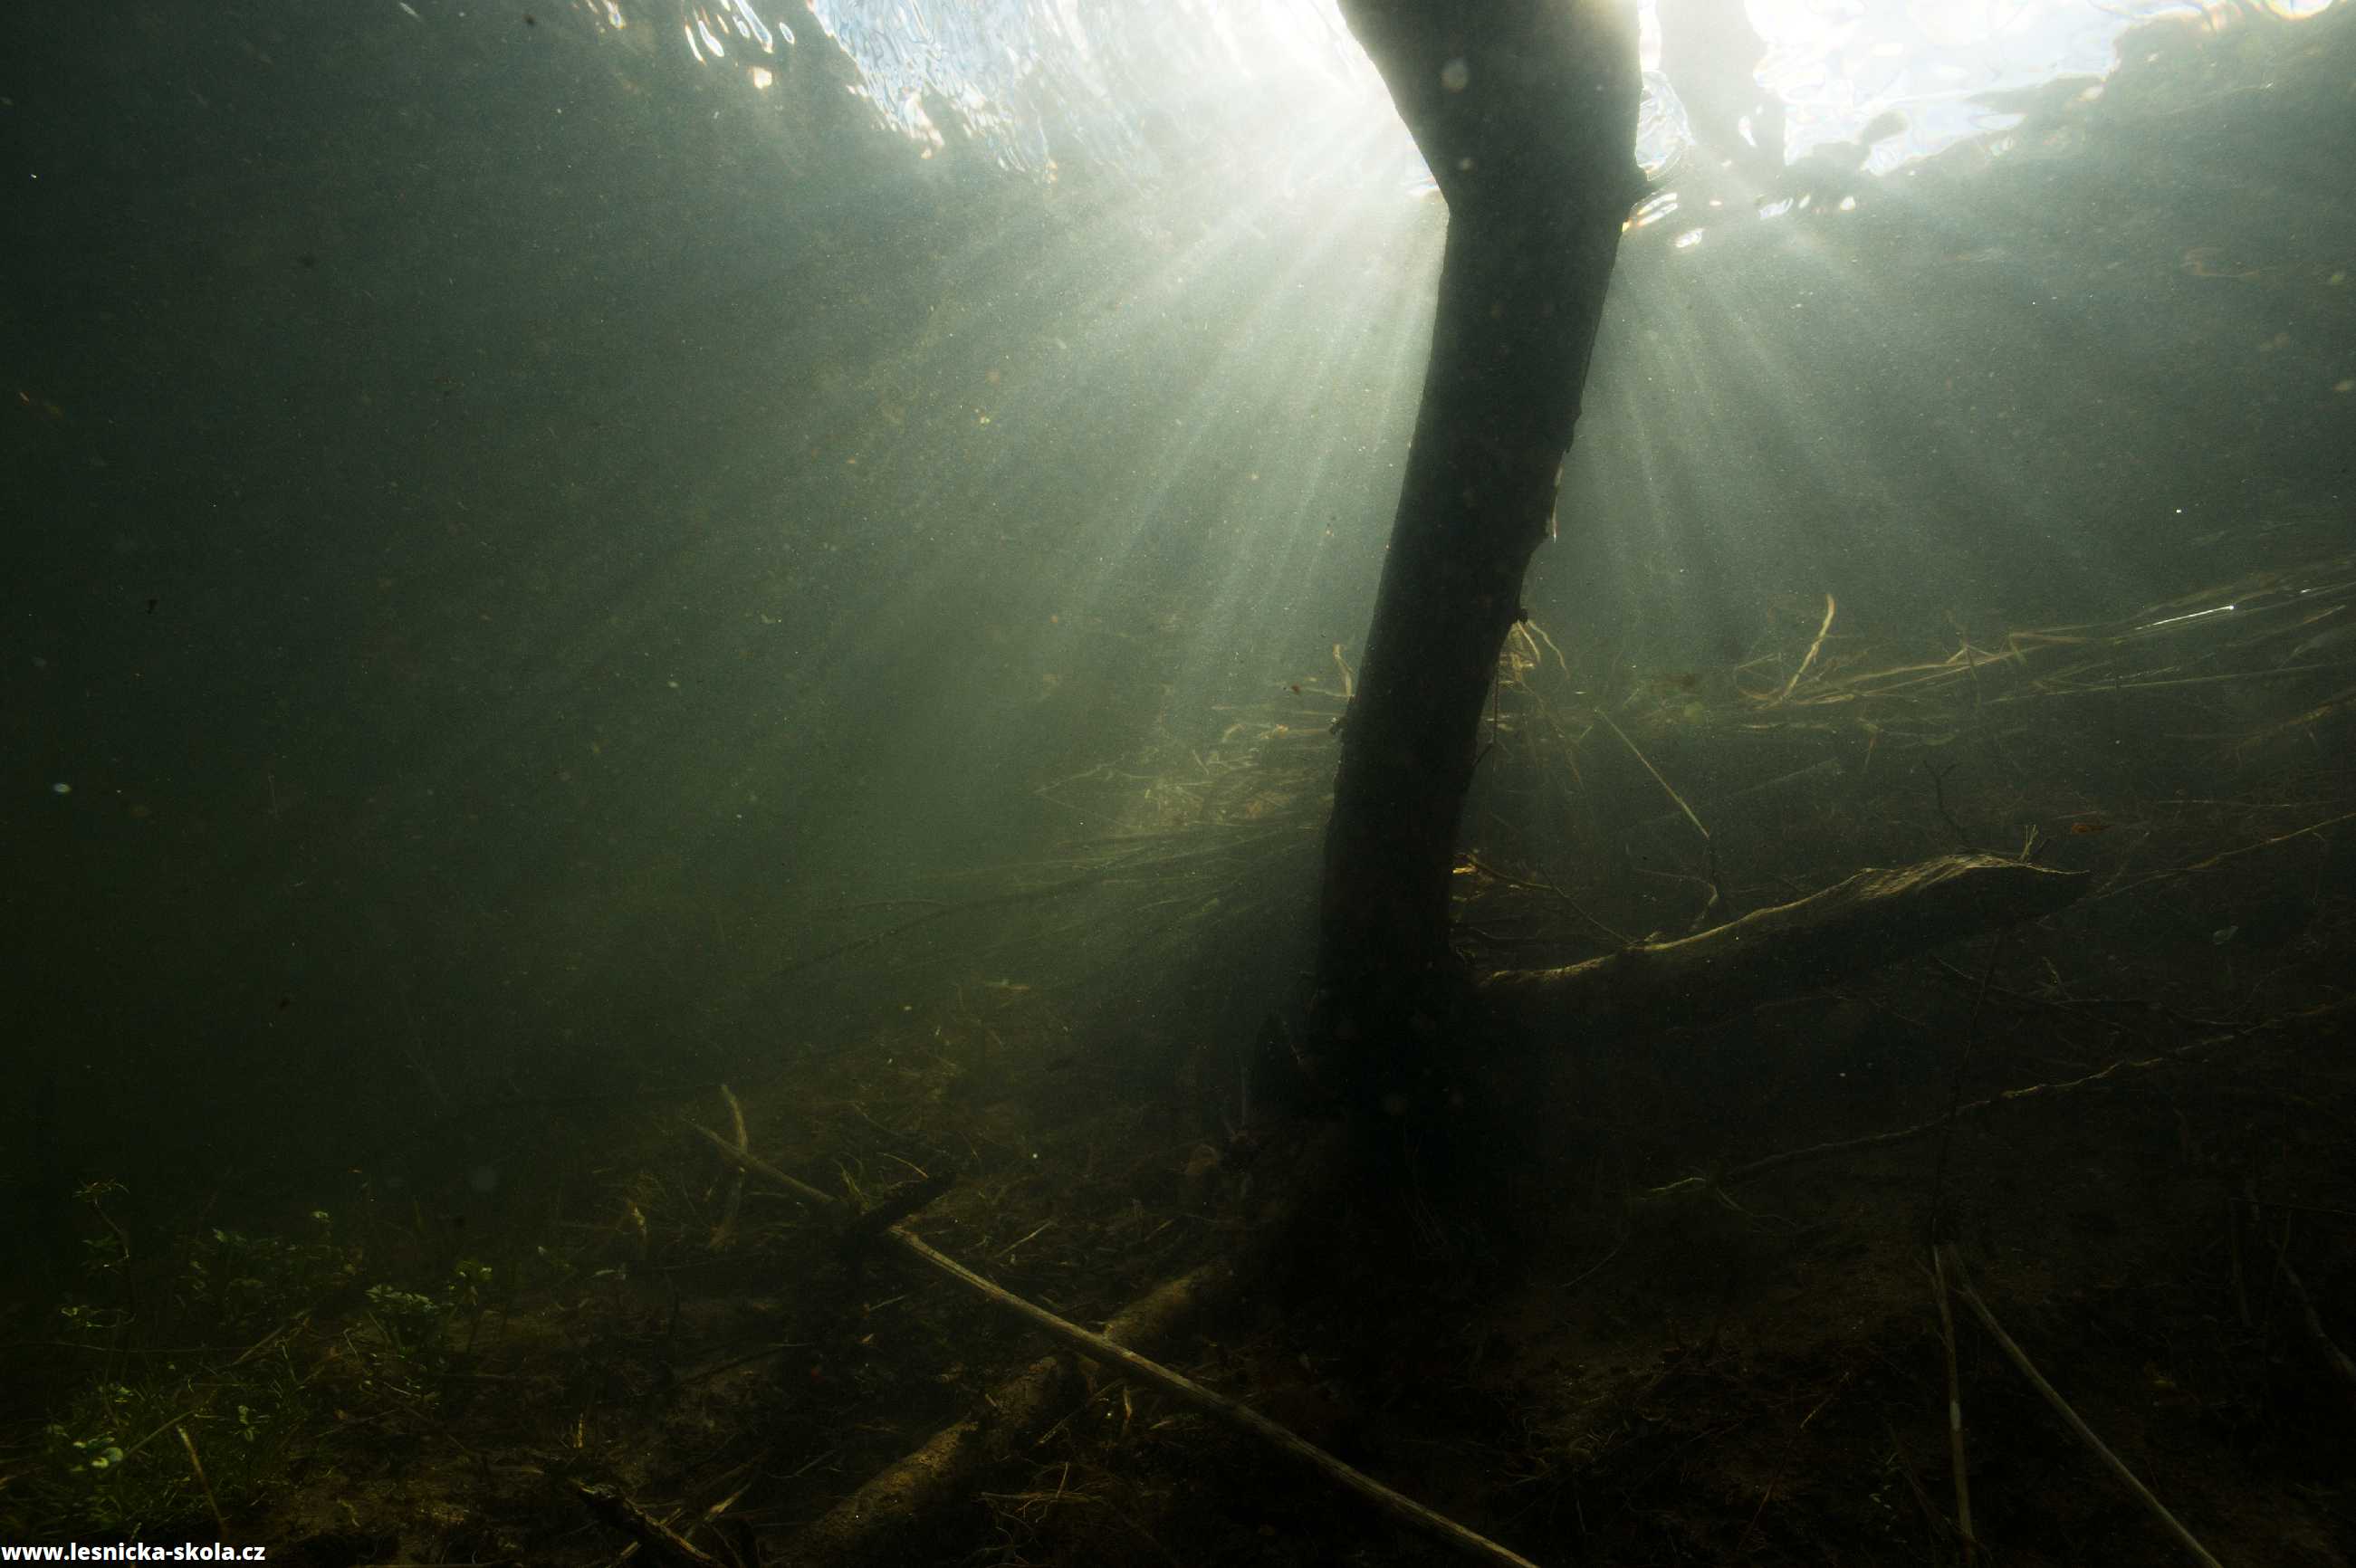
(1525, 112)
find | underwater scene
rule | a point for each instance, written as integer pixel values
(1021, 784)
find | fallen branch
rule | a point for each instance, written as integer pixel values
(880, 1522)
(659, 1541)
(1103, 1350)
(1097, 1348)
(1874, 918)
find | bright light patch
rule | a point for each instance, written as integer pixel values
(1655, 207)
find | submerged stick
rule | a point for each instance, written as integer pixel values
(1667, 786)
(659, 1541)
(744, 1159)
(1105, 1351)
(879, 1520)
(1955, 1414)
(2076, 1423)
(1810, 657)
(197, 1465)
(1874, 918)
(1097, 1348)
(725, 1231)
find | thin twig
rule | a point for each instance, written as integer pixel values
(1618, 938)
(2225, 855)
(1955, 1091)
(1954, 1415)
(725, 1231)
(1106, 1352)
(2076, 1423)
(197, 1465)
(1810, 657)
(1097, 1348)
(1696, 1184)
(1939, 799)
(617, 1511)
(2327, 1350)
(1647, 761)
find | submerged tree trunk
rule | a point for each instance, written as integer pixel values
(1526, 112)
